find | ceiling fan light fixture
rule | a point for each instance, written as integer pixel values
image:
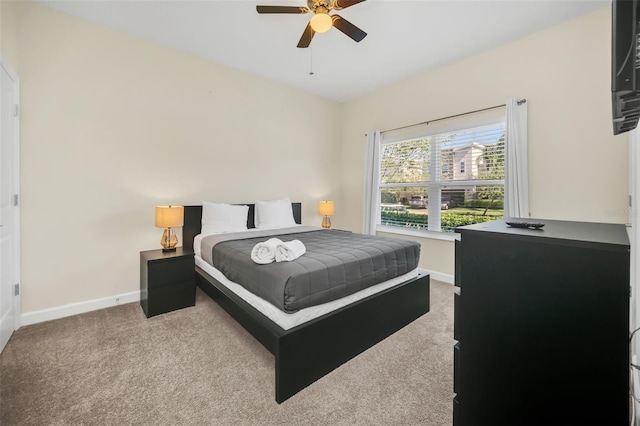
(321, 22)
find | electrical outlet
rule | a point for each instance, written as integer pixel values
(117, 300)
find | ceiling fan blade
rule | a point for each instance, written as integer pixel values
(348, 28)
(343, 4)
(281, 9)
(307, 35)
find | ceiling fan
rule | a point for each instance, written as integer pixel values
(321, 21)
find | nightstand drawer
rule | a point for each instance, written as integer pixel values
(171, 297)
(169, 271)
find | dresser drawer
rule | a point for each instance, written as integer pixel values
(458, 264)
(456, 411)
(457, 314)
(456, 368)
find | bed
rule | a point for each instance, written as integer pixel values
(306, 352)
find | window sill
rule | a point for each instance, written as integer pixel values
(443, 236)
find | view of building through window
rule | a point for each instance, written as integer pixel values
(439, 182)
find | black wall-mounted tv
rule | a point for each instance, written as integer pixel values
(625, 64)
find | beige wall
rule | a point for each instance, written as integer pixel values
(113, 126)
(578, 170)
(9, 32)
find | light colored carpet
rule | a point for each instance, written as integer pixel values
(197, 366)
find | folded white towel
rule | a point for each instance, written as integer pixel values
(291, 250)
(265, 252)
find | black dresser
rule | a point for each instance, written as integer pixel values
(542, 325)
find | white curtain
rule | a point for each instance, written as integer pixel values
(516, 185)
(371, 192)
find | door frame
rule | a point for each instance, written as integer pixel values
(14, 76)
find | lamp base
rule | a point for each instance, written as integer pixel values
(326, 222)
(166, 250)
(168, 240)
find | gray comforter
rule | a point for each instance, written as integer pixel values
(336, 264)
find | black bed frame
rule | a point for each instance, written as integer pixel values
(311, 350)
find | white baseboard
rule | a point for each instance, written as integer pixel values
(78, 308)
(107, 302)
(449, 279)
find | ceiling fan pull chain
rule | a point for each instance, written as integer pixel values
(310, 60)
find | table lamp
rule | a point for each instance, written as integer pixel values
(326, 209)
(169, 217)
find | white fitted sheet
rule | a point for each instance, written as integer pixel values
(289, 320)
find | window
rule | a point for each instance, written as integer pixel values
(418, 173)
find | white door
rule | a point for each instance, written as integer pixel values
(9, 209)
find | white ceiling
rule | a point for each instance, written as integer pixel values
(405, 37)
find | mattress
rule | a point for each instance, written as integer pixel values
(336, 264)
(286, 320)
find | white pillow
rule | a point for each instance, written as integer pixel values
(219, 218)
(274, 214)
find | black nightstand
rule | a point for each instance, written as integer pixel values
(167, 281)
